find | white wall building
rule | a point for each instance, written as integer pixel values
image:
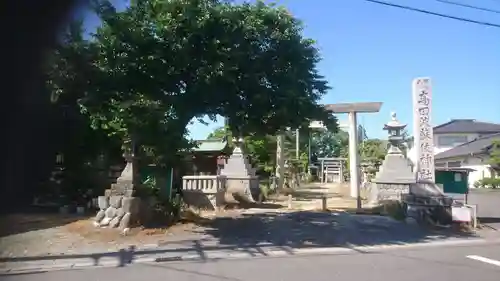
(464, 143)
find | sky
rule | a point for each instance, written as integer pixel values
(372, 52)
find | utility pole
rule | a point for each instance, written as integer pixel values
(280, 161)
(297, 149)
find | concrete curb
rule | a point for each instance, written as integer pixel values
(231, 255)
(40, 268)
(215, 255)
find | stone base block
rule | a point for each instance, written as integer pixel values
(379, 192)
(121, 212)
(122, 189)
(242, 190)
(204, 201)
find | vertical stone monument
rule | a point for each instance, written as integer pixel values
(425, 196)
(242, 185)
(423, 131)
(118, 206)
(395, 175)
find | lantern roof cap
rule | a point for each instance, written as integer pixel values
(394, 123)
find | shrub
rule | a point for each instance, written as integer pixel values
(489, 183)
(394, 209)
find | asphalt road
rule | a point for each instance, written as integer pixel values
(458, 263)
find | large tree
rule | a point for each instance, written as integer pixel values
(150, 69)
(68, 73)
(161, 63)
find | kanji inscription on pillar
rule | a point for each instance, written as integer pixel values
(423, 134)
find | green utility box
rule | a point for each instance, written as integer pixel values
(453, 180)
(163, 181)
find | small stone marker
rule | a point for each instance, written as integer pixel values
(323, 203)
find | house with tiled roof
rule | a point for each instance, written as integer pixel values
(465, 143)
(460, 131)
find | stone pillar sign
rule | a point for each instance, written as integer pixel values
(422, 129)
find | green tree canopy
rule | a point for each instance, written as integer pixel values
(219, 133)
(330, 144)
(150, 69)
(373, 149)
(494, 152)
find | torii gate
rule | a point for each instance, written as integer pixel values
(354, 165)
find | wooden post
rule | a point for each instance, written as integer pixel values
(289, 201)
(324, 206)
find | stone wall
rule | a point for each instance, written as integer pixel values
(117, 211)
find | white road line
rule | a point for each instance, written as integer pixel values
(483, 259)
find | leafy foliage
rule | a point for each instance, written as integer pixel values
(488, 182)
(150, 69)
(373, 150)
(494, 160)
(67, 77)
(220, 133)
(261, 150)
(330, 144)
(160, 63)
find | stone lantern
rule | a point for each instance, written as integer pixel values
(364, 169)
(394, 176)
(395, 129)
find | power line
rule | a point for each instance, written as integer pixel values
(434, 14)
(469, 6)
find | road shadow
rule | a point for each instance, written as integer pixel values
(311, 195)
(320, 229)
(253, 234)
(34, 219)
(487, 220)
(492, 223)
(314, 188)
(253, 205)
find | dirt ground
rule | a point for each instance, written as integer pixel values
(34, 234)
(309, 197)
(54, 234)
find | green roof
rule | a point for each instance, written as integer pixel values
(210, 145)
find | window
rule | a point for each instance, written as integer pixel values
(455, 164)
(440, 165)
(451, 140)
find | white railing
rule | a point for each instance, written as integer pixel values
(205, 184)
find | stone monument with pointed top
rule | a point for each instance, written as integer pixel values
(242, 185)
